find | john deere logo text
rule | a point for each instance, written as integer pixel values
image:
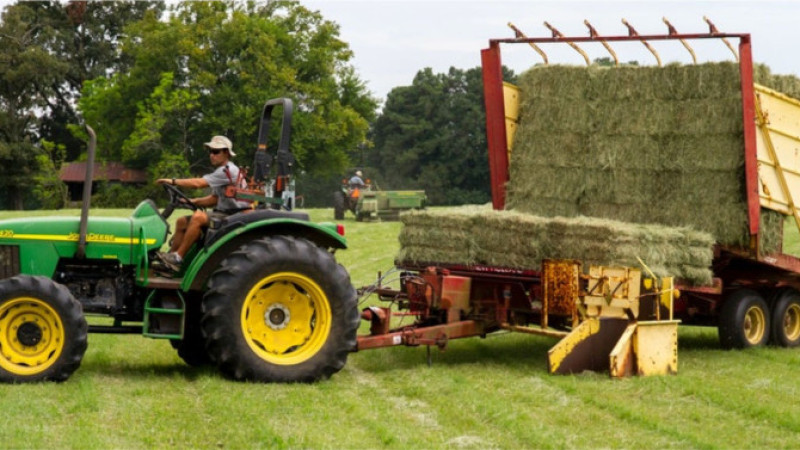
(93, 237)
(6, 233)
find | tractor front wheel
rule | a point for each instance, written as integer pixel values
(280, 309)
(42, 330)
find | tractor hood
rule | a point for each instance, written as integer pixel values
(42, 242)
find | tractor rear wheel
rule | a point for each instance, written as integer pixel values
(744, 320)
(339, 207)
(786, 318)
(42, 330)
(280, 309)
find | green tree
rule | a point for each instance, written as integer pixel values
(431, 135)
(26, 69)
(209, 68)
(50, 192)
(47, 50)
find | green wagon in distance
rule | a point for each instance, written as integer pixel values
(387, 205)
(370, 203)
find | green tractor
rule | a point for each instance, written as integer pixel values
(260, 297)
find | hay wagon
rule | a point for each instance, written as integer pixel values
(696, 216)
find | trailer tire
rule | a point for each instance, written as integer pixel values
(280, 309)
(744, 320)
(786, 318)
(43, 333)
(339, 201)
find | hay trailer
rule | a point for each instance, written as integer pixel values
(619, 319)
(753, 298)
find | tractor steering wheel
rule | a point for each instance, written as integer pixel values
(177, 200)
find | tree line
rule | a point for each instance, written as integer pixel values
(157, 80)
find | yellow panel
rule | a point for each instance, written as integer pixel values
(778, 144)
(557, 354)
(621, 360)
(613, 290)
(656, 347)
(511, 102)
(511, 131)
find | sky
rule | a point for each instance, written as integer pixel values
(392, 40)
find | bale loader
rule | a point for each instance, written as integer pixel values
(260, 296)
(620, 319)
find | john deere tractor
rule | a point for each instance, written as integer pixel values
(261, 296)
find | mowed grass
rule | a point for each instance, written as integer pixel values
(133, 392)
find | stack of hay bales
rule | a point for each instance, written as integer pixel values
(482, 236)
(636, 144)
(611, 164)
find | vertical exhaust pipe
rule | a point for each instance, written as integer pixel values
(87, 193)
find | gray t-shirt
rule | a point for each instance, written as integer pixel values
(218, 180)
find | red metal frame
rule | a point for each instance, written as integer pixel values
(750, 154)
(495, 122)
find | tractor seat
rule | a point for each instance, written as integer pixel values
(221, 226)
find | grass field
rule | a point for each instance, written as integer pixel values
(133, 392)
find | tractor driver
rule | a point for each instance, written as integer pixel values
(356, 181)
(188, 229)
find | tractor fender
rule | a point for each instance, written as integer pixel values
(323, 234)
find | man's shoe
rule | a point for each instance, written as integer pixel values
(171, 260)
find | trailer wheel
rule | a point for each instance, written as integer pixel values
(339, 201)
(280, 309)
(744, 320)
(42, 330)
(786, 318)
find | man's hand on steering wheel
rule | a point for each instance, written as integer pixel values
(177, 199)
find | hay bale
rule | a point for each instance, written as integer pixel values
(516, 240)
(636, 144)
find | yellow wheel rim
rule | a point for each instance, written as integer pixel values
(31, 336)
(754, 325)
(286, 318)
(791, 322)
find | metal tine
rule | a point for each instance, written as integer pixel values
(632, 32)
(520, 35)
(557, 34)
(595, 35)
(713, 30)
(674, 32)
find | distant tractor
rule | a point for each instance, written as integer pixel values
(367, 202)
(260, 297)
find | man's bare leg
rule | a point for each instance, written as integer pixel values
(193, 231)
(180, 231)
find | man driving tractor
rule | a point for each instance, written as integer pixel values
(357, 180)
(188, 229)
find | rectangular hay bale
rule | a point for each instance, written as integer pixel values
(636, 144)
(516, 240)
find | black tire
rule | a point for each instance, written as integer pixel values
(744, 320)
(192, 348)
(786, 318)
(280, 309)
(43, 333)
(339, 207)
